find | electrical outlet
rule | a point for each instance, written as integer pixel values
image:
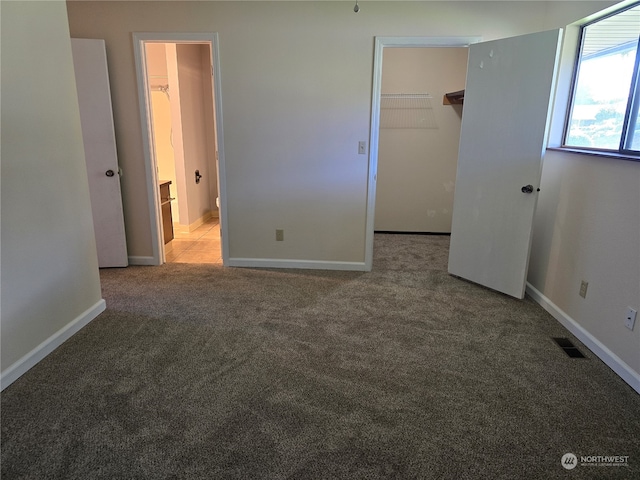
(630, 318)
(362, 148)
(583, 289)
(279, 235)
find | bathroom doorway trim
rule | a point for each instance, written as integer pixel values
(153, 194)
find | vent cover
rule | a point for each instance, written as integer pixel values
(569, 348)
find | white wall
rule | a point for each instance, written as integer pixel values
(296, 90)
(49, 268)
(587, 227)
(417, 166)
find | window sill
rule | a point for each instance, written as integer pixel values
(597, 153)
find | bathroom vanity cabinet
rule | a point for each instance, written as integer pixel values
(165, 204)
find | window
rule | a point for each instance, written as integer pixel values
(606, 89)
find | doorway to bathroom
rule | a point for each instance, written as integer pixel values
(181, 113)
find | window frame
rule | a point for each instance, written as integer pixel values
(633, 100)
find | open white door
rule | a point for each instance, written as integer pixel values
(96, 115)
(507, 107)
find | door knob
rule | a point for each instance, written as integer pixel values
(109, 173)
(527, 189)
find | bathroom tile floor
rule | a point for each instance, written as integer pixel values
(200, 246)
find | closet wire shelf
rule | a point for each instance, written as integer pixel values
(407, 110)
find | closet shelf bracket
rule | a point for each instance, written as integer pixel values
(453, 98)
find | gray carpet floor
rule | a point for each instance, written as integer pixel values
(205, 372)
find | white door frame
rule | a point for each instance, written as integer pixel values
(153, 194)
(380, 44)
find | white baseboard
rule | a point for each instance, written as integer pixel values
(614, 362)
(133, 260)
(20, 367)
(306, 264)
(179, 227)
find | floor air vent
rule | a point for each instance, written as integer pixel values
(569, 348)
